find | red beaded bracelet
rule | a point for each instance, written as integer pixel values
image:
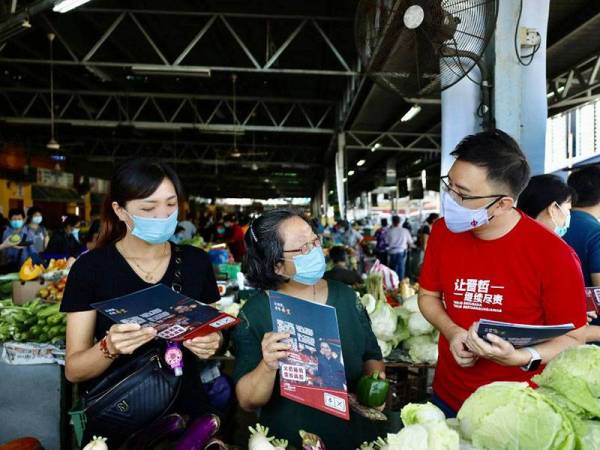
(105, 351)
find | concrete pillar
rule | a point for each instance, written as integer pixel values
(459, 115)
(520, 103)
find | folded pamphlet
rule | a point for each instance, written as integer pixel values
(593, 299)
(521, 335)
(175, 316)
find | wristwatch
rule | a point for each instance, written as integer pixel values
(535, 361)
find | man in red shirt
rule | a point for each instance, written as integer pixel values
(235, 237)
(487, 260)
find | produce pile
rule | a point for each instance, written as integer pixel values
(562, 414)
(56, 269)
(53, 291)
(32, 322)
(403, 324)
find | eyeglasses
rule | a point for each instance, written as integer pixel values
(306, 248)
(460, 198)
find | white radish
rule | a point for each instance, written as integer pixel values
(260, 440)
(97, 443)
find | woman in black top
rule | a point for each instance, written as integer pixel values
(133, 253)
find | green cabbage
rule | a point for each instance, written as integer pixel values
(574, 374)
(411, 304)
(414, 341)
(424, 353)
(427, 436)
(418, 413)
(512, 416)
(418, 325)
(384, 322)
(589, 435)
(385, 347)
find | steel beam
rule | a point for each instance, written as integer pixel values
(579, 84)
(178, 65)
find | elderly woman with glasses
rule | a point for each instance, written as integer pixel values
(285, 255)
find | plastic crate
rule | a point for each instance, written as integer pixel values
(79, 420)
(409, 384)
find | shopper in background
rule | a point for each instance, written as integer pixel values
(548, 199)
(36, 232)
(398, 240)
(65, 243)
(15, 256)
(584, 230)
(189, 229)
(284, 254)
(340, 271)
(133, 253)
(381, 245)
(235, 237)
(487, 260)
(425, 231)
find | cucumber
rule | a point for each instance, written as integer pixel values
(35, 330)
(49, 311)
(55, 319)
(56, 330)
(43, 338)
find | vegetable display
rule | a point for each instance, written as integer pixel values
(97, 443)
(32, 322)
(425, 428)
(512, 415)
(30, 271)
(199, 433)
(260, 440)
(401, 324)
(372, 391)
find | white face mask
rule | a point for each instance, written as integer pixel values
(460, 219)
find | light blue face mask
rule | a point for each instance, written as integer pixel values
(310, 268)
(154, 231)
(16, 224)
(561, 231)
(37, 219)
(75, 233)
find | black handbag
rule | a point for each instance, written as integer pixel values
(135, 394)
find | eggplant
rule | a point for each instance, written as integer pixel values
(166, 427)
(311, 441)
(199, 433)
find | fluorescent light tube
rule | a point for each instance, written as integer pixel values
(68, 5)
(412, 112)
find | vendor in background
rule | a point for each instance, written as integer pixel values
(15, 256)
(381, 245)
(340, 271)
(285, 254)
(398, 240)
(487, 260)
(235, 237)
(133, 253)
(36, 232)
(65, 243)
(425, 231)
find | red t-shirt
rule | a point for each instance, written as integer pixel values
(528, 276)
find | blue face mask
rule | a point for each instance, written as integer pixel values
(310, 268)
(37, 219)
(16, 224)
(561, 231)
(75, 233)
(154, 231)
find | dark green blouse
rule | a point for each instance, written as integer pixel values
(285, 417)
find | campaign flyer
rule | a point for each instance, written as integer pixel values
(313, 374)
(520, 335)
(593, 299)
(175, 316)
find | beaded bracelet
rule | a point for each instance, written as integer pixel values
(105, 351)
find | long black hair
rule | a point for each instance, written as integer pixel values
(265, 248)
(133, 180)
